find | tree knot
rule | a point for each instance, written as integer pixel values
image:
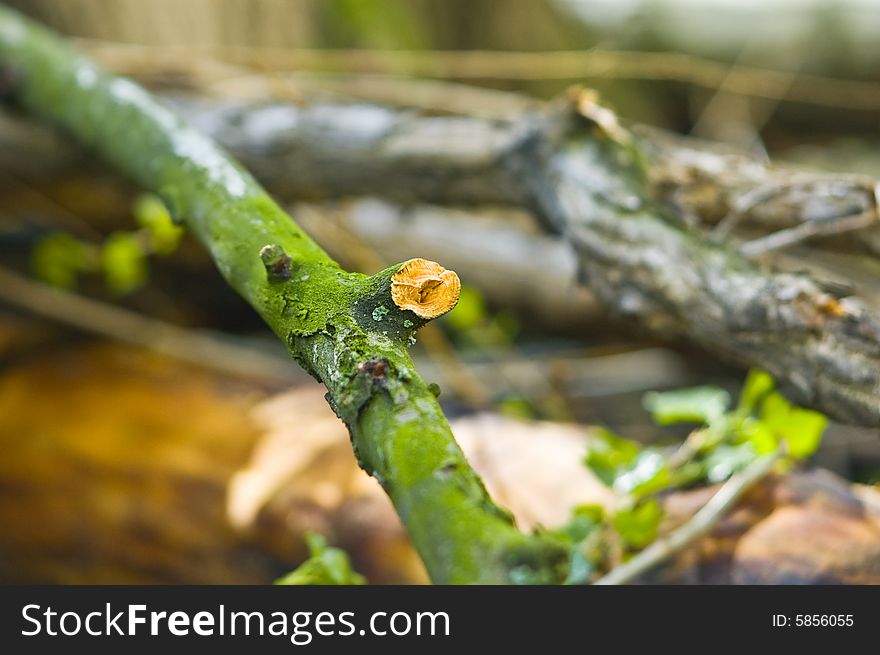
(276, 261)
(376, 369)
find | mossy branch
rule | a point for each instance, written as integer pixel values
(344, 328)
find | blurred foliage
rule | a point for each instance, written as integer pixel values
(59, 259)
(637, 524)
(473, 325)
(728, 438)
(725, 440)
(325, 566)
(150, 213)
(470, 311)
(516, 406)
(397, 25)
(124, 263)
(625, 466)
(584, 535)
(697, 405)
(722, 438)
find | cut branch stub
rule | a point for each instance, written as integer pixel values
(425, 288)
(276, 261)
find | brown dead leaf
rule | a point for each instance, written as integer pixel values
(808, 527)
(303, 468)
(302, 476)
(119, 466)
(534, 469)
(113, 469)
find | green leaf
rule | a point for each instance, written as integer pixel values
(724, 460)
(608, 454)
(59, 258)
(580, 568)
(800, 429)
(151, 213)
(704, 405)
(124, 263)
(757, 385)
(625, 466)
(582, 534)
(325, 566)
(638, 525)
(645, 474)
(779, 420)
(584, 520)
(760, 435)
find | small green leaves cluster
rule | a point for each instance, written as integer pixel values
(325, 566)
(723, 440)
(60, 258)
(729, 438)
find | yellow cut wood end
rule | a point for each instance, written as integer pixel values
(425, 287)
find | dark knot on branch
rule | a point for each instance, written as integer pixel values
(276, 261)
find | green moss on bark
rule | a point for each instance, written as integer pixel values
(326, 316)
